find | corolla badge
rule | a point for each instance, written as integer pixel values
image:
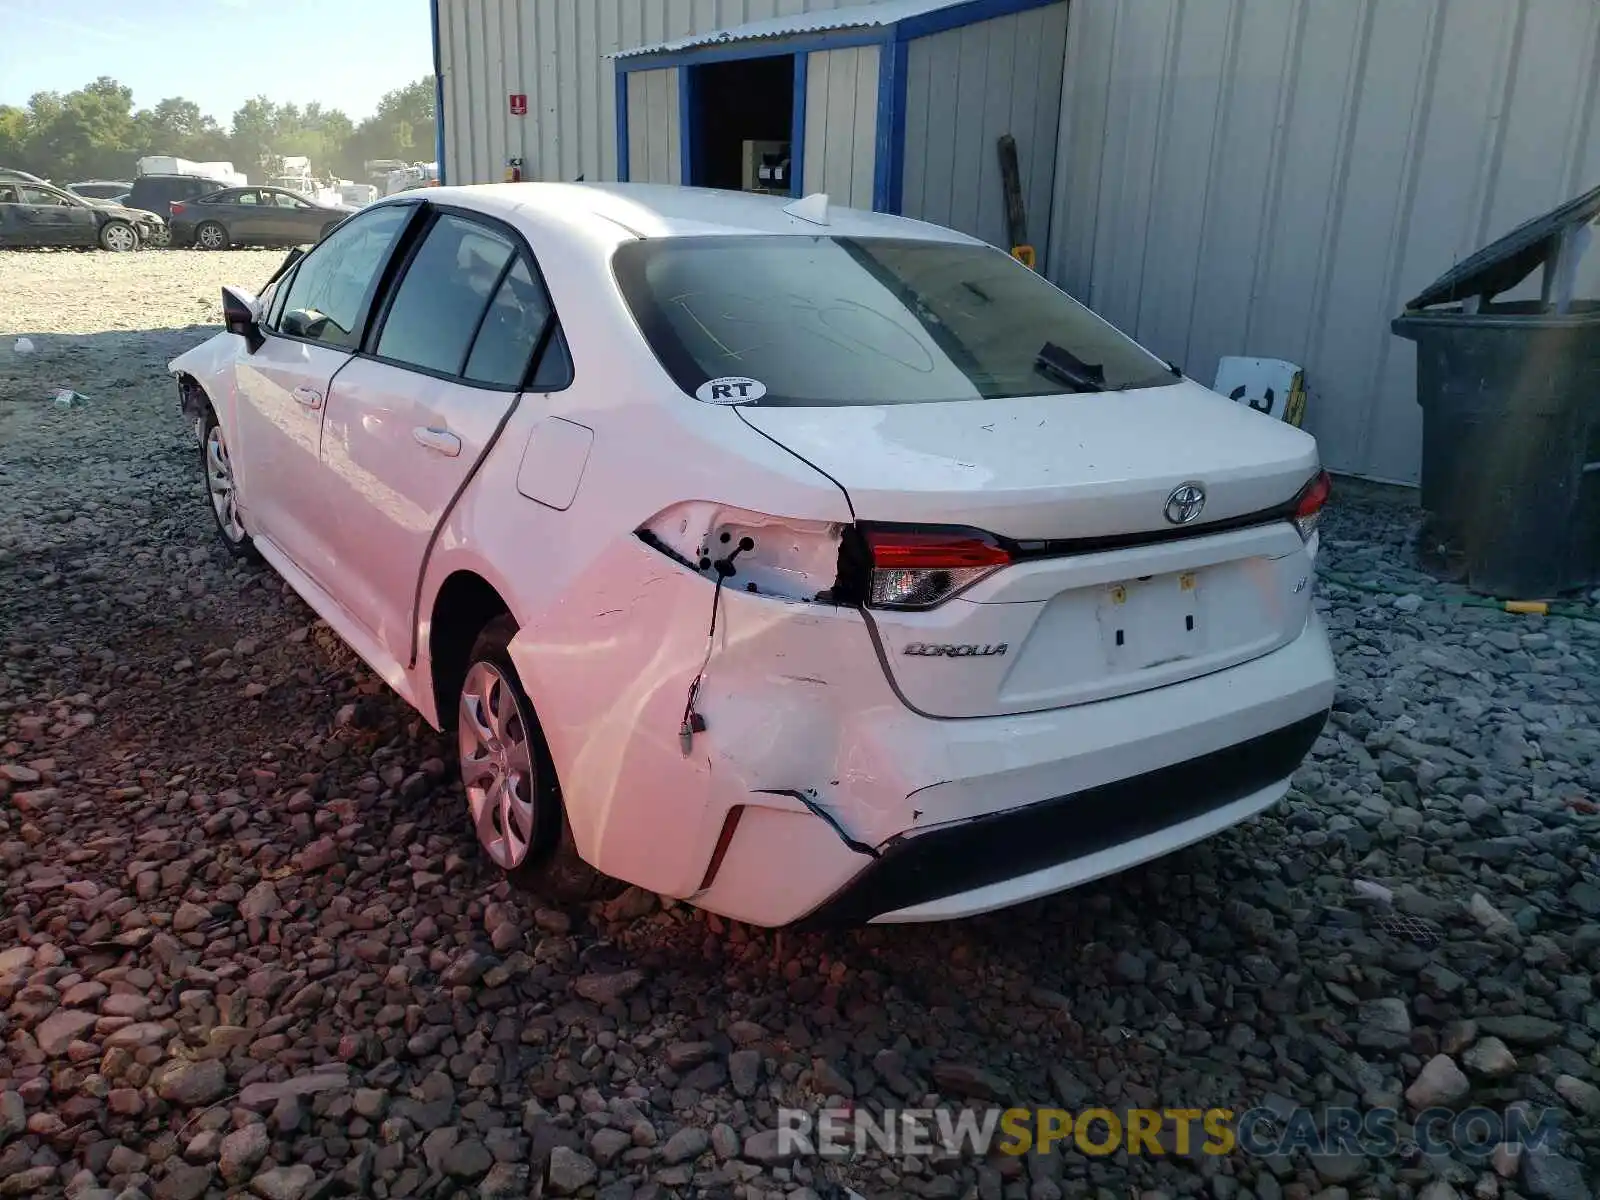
(1185, 503)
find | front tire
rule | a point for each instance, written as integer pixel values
(160, 239)
(118, 237)
(222, 489)
(211, 236)
(513, 796)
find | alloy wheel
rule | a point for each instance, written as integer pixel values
(219, 483)
(211, 237)
(496, 765)
(120, 238)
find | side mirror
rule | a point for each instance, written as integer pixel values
(241, 314)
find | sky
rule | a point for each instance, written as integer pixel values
(218, 53)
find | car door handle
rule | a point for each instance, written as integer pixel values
(310, 397)
(434, 438)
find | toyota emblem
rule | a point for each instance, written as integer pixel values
(1185, 503)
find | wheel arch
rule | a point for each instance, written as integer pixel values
(463, 604)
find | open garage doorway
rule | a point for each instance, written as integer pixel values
(742, 124)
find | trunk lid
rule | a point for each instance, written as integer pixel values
(1073, 624)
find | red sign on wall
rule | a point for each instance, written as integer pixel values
(519, 104)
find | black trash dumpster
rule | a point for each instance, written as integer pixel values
(1510, 396)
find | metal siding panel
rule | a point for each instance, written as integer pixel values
(674, 123)
(942, 57)
(1241, 176)
(864, 154)
(1045, 29)
(1000, 85)
(1080, 143)
(1133, 135)
(1357, 149)
(919, 97)
(1537, 110)
(971, 85)
(569, 108)
(838, 123)
(1360, 295)
(816, 147)
(1308, 190)
(1182, 183)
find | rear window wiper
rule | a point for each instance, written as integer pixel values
(1064, 366)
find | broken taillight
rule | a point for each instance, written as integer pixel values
(922, 568)
(1308, 505)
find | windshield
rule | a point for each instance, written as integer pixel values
(829, 321)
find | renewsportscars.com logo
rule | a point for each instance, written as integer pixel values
(1471, 1134)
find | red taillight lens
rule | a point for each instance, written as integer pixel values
(176, 208)
(1308, 505)
(924, 568)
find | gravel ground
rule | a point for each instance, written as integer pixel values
(246, 942)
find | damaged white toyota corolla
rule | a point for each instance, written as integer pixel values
(810, 565)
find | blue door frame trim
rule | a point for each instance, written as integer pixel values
(622, 127)
(797, 127)
(438, 90)
(686, 139)
(893, 42)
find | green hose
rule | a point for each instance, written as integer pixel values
(1574, 612)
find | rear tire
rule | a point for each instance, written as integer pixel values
(118, 237)
(211, 236)
(513, 796)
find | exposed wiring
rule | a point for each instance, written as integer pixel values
(693, 722)
(1551, 608)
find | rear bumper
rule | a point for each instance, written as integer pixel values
(1006, 857)
(1029, 805)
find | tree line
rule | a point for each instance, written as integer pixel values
(97, 133)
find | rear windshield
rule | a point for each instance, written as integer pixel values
(829, 321)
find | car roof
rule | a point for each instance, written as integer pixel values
(659, 210)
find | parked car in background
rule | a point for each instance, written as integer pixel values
(36, 214)
(101, 189)
(804, 563)
(253, 216)
(155, 193)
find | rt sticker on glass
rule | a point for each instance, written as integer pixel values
(731, 389)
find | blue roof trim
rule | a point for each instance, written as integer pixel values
(438, 90)
(797, 127)
(622, 127)
(958, 15)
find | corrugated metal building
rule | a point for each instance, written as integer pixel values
(1265, 177)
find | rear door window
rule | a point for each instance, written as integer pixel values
(441, 301)
(334, 284)
(517, 323)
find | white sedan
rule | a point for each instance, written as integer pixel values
(806, 564)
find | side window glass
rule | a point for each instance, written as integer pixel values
(444, 293)
(280, 290)
(334, 282)
(510, 331)
(238, 198)
(554, 369)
